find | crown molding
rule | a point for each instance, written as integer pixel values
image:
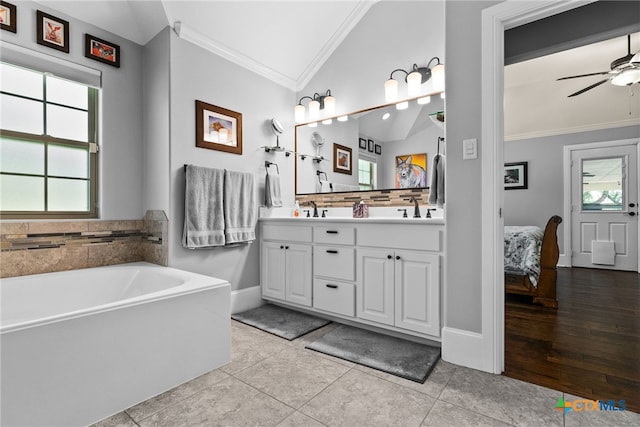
(232, 55)
(572, 129)
(336, 39)
(238, 58)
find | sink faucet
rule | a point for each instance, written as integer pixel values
(416, 208)
(315, 209)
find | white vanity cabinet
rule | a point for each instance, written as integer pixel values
(286, 264)
(378, 273)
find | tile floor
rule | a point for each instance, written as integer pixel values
(274, 382)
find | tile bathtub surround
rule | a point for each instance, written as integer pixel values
(33, 247)
(394, 197)
(274, 382)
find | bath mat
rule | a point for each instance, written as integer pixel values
(406, 359)
(285, 323)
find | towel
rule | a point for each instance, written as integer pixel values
(272, 193)
(203, 208)
(325, 187)
(345, 187)
(240, 207)
(436, 190)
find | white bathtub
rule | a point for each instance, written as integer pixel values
(81, 345)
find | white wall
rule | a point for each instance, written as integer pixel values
(196, 74)
(121, 109)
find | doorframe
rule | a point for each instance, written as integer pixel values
(567, 151)
(495, 20)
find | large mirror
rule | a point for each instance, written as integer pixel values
(374, 149)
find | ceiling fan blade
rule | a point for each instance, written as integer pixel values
(584, 75)
(588, 88)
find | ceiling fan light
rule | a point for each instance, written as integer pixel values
(627, 77)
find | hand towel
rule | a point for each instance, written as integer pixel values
(203, 208)
(436, 190)
(272, 192)
(325, 187)
(240, 207)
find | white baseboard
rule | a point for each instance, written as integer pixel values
(246, 299)
(563, 261)
(462, 348)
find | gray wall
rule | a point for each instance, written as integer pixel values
(544, 196)
(121, 109)
(463, 306)
(196, 74)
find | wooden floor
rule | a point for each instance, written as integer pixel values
(590, 346)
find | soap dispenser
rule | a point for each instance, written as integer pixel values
(296, 209)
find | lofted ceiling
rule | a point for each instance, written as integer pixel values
(285, 41)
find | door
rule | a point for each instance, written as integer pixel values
(417, 292)
(375, 285)
(298, 274)
(273, 270)
(604, 208)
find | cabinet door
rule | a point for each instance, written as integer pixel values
(272, 274)
(375, 285)
(417, 291)
(298, 274)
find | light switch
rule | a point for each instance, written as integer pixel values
(469, 149)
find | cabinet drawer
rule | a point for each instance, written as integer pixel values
(334, 235)
(415, 237)
(289, 233)
(334, 261)
(336, 297)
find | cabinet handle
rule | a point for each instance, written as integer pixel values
(329, 285)
(389, 257)
(286, 247)
(281, 247)
(397, 256)
(332, 231)
(332, 251)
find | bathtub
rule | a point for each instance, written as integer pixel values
(81, 345)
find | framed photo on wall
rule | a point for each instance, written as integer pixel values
(370, 146)
(515, 176)
(218, 128)
(101, 50)
(52, 32)
(378, 149)
(8, 17)
(342, 159)
(362, 143)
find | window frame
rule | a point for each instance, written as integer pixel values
(91, 144)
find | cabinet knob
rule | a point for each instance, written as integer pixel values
(397, 256)
(389, 257)
(281, 247)
(286, 247)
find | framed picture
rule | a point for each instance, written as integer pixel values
(411, 171)
(52, 32)
(515, 176)
(8, 17)
(362, 143)
(342, 159)
(101, 50)
(370, 145)
(218, 128)
(378, 149)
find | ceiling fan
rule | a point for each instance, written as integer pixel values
(625, 71)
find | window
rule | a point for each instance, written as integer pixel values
(366, 174)
(48, 144)
(602, 184)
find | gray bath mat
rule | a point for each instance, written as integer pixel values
(396, 356)
(287, 324)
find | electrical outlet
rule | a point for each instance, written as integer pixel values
(469, 149)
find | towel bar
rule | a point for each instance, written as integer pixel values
(268, 163)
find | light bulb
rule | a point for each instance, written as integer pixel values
(437, 77)
(329, 105)
(314, 109)
(414, 80)
(299, 113)
(390, 90)
(424, 100)
(627, 77)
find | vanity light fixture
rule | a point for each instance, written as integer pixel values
(326, 102)
(415, 78)
(327, 121)
(343, 118)
(424, 100)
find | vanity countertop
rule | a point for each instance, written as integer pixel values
(370, 220)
